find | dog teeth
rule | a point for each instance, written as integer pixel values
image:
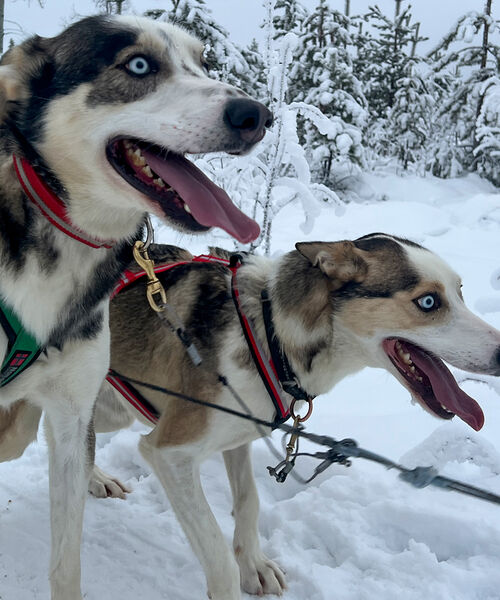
(138, 158)
(404, 356)
(135, 156)
(187, 209)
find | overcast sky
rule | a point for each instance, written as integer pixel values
(240, 17)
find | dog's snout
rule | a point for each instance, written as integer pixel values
(248, 117)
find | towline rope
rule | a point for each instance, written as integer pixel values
(340, 451)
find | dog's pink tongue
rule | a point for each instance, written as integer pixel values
(446, 390)
(209, 204)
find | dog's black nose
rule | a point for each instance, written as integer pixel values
(248, 117)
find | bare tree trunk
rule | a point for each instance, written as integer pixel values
(321, 33)
(347, 9)
(484, 57)
(2, 14)
(117, 4)
(397, 8)
(415, 40)
(486, 31)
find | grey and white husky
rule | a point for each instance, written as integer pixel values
(103, 114)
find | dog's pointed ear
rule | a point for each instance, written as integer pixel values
(19, 65)
(10, 82)
(11, 88)
(342, 262)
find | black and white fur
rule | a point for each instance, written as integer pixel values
(68, 96)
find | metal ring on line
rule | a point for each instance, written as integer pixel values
(308, 413)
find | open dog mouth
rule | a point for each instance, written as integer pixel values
(183, 193)
(431, 383)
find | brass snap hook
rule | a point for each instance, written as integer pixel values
(155, 292)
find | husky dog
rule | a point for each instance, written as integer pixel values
(96, 122)
(337, 307)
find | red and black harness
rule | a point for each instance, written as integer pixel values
(275, 372)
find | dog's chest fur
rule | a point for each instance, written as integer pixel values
(58, 287)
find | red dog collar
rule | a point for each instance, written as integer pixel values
(51, 207)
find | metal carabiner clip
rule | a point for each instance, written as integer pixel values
(280, 471)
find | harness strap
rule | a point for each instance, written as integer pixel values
(128, 277)
(126, 389)
(51, 207)
(132, 394)
(22, 349)
(266, 368)
(289, 381)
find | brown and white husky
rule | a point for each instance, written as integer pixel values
(337, 307)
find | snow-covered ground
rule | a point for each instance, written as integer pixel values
(353, 534)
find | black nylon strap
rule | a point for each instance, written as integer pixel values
(9, 331)
(289, 381)
(279, 419)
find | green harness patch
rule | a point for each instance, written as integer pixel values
(22, 349)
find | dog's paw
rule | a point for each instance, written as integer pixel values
(103, 485)
(260, 576)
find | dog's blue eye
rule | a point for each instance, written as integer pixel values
(138, 66)
(428, 302)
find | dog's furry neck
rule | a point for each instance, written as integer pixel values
(302, 312)
(54, 282)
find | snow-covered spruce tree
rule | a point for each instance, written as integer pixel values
(443, 155)
(322, 76)
(288, 16)
(277, 172)
(254, 81)
(409, 122)
(388, 56)
(487, 134)
(363, 46)
(470, 55)
(223, 58)
(113, 7)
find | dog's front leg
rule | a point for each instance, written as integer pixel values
(179, 474)
(259, 575)
(70, 439)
